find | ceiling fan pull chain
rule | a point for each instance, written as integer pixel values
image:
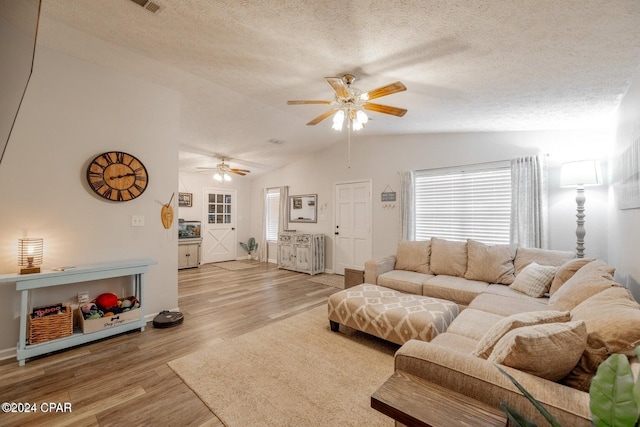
(349, 145)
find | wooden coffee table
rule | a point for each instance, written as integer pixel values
(414, 401)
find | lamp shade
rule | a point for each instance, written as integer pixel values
(30, 251)
(581, 173)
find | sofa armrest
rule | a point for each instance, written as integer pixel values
(377, 266)
(481, 380)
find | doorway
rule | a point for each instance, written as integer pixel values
(352, 234)
(219, 228)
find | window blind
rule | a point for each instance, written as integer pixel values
(459, 204)
(272, 206)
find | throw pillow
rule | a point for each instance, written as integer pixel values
(547, 351)
(534, 280)
(448, 257)
(493, 264)
(566, 272)
(588, 281)
(581, 375)
(613, 315)
(525, 256)
(413, 256)
(499, 329)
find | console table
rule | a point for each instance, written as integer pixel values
(85, 273)
(414, 401)
(302, 252)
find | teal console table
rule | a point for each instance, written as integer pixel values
(85, 273)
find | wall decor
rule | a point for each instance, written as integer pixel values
(117, 176)
(185, 200)
(303, 208)
(628, 180)
(388, 195)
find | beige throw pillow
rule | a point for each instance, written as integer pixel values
(493, 264)
(413, 256)
(547, 351)
(588, 281)
(525, 256)
(499, 329)
(566, 272)
(534, 280)
(448, 257)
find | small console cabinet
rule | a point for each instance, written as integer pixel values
(87, 273)
(189, 253)
(301, 252)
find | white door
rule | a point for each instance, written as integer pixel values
(352, 234)
(219, 229)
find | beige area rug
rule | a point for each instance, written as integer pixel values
(237, 265)
(334, 280)
(295, 372)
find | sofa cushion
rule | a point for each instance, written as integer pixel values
(506, 306)
(566, 272)
(548, 351)
(413, 256)
(456, 289)
(448, 257)
(473, 324)
(534, 280)
(403, 281)
(614, 316)
(525, 256)
(508, 291)
(589, 280)
(455, 342)
(506, 324)
(581, 375)
(493, 264)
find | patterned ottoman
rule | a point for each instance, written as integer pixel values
(389, 314)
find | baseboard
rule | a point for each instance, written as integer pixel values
(327, 271)
(8, 353)
(272, 261)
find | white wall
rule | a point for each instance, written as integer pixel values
(380, 158)
(73, 111)
(624, 227)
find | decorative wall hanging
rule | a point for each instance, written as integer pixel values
(628, 179)
(185, 200)
(388, 195)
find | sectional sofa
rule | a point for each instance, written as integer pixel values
(547, 318)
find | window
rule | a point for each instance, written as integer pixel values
(464, 203)
(272, 207)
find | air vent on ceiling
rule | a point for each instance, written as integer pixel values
(149, 5)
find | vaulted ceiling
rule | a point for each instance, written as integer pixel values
(489, 65)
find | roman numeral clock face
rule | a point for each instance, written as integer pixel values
(117, 176)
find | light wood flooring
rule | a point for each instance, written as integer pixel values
(125, 381)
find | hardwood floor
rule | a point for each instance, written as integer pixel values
(125, 381)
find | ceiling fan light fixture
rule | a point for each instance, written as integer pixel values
(362, 117)
(338, 120)
(221, 177)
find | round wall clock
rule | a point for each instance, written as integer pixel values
(117, 176)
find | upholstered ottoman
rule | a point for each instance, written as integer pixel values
(389, 314)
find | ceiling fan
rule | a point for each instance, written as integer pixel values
(223, 170)
(349, 102)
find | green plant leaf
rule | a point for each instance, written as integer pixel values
(636, 387)
(514, 416)
(546, 414)
(611, 394)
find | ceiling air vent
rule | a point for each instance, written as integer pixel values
(149, 5)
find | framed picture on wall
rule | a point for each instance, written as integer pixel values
(185, 200)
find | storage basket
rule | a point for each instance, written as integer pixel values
(51, 327)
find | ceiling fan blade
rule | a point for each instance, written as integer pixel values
(339, 86)
(207, 169)
(322, 116)
(307, 102)
(384, 91)
(239, 170)
(386, 109)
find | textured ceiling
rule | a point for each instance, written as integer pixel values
(488, 65)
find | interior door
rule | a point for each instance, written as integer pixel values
(219, 229)
(352, 234)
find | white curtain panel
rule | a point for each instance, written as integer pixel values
(529, 206)
(262, 251)
(284, 209)
(406, 208)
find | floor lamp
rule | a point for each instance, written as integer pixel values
(580, 174)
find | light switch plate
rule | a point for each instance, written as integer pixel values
(137, 220)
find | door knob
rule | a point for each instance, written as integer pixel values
(336, 233)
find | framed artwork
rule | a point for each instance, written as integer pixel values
(185, 200)
(628, 182)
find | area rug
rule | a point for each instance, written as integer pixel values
(237, 265)
(334, 280)
(295, 372)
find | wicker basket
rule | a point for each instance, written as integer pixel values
(51, 327)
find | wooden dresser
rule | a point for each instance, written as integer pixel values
(301, 252)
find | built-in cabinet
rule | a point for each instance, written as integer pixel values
(189, 253)
(302, 252)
